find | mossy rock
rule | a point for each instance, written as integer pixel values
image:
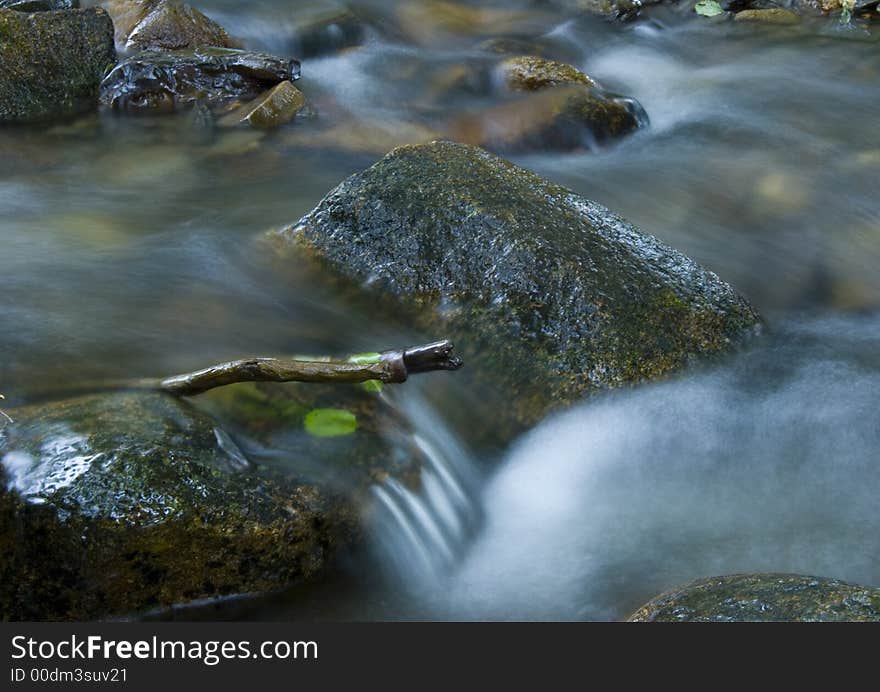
(530, 73)
(164, 25)
(775, 15)
(764, 598)
(51, 63)
(220, 78)
(547, 294)
(114, 504)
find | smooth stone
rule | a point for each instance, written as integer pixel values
(277, 106)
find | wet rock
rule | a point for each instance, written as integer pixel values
(558, 118)
(217, 76)
(112, 504)
(775, 15)
(530, 73)
(51, 63)
(567, 110)
(277, 106)
(38, 5)
(548, 295)
(764, 598)
(164, 25)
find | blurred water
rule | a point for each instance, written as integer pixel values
(128, 246)
(767, 465)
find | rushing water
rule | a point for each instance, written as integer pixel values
(127, 246)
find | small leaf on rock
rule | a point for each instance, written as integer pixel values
(708, 8)
(330, 422)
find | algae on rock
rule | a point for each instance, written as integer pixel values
(52, 63)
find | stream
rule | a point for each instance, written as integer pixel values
(127, 245)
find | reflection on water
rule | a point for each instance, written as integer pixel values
(127, 248)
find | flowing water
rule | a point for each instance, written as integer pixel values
(127, 245)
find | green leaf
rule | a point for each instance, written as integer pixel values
(330, 422)
(365, 358)
(708, 8)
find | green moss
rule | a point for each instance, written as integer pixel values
(53, 62)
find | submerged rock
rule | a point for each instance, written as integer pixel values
(51, 63)
(557, 118)
(277, 106)
(217, 76)
(164, 25)
(117, 503)
(764, 598)
(296, 422)
(567, 111)
(547, 294)
(328, 33)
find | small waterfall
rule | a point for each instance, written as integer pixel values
(420, 535)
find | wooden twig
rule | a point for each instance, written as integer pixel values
(389, 366)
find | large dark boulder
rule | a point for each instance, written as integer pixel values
(51, 63)
(546, 293)
(115, 504)
(764, 598)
